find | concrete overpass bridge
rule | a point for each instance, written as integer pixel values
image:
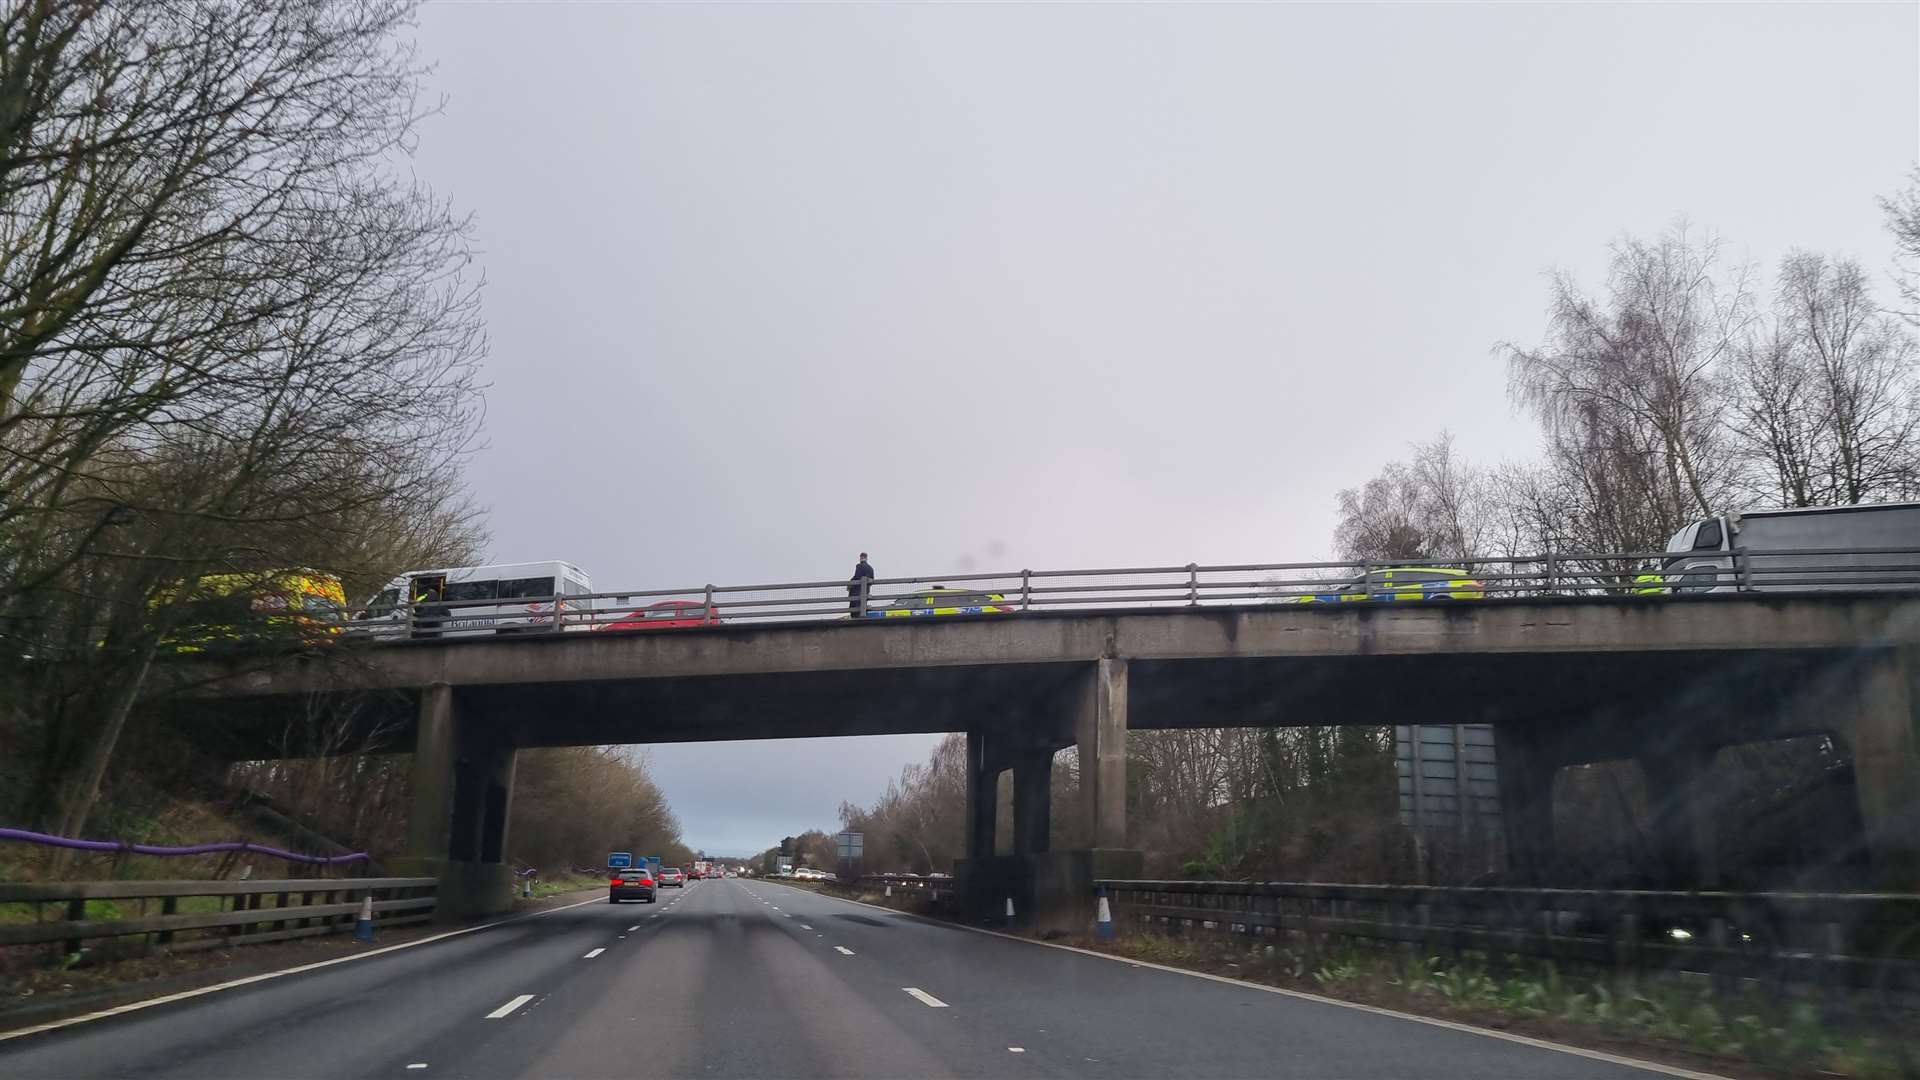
(1565, 681)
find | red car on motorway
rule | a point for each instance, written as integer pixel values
(665, 615)
(674, 876)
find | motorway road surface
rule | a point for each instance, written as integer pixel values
(745, 978)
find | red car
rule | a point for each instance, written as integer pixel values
(666, 614)
(671, 875)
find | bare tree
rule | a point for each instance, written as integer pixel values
(1902, 211)
(1627, 391)
(1827, 399)
(232, 338)
(1438, 506)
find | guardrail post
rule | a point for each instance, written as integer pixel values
(1026, 590)
(1742, 570)
(76, 912)
(860, 602)
(1717, 965)
(708, 614)
(169, 905)
(1193, 584)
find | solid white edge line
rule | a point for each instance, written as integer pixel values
(924, 998)
(136, 1006)
(1430, 1021)
(503, 1010)
(593, 954)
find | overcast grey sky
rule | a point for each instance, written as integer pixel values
(1006, 286)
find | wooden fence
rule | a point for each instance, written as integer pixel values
(238, 912)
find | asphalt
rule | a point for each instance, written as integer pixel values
(744, 978)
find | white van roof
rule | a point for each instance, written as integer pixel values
(518, 569)
(1852, 507)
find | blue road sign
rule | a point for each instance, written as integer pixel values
(620, 860)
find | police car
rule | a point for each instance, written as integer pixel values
(1400, 583)
(942, 600)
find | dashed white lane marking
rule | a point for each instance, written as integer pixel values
(924, 998)
(632, 928)
(804, 926)
(787, 914)
(418, 1065)
(1016, 1049)
(843, 950)
(503, 1010)
(593, 954)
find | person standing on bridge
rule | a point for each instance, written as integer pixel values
(857, 588)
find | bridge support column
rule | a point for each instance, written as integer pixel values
(1526, 806)
(1884, 736)
(430, 815)
(983, 791)
(462, 790)
(1032, 801)
(1682, 827)
(1100, 727)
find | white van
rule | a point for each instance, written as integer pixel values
(1869, 547)
(506, 598)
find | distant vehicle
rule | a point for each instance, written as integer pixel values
(702, 869)
(1394, 583)
(636, 883)
(941, 600)
(1701, 555)
(673, 876)
(292, 607)
(665, 615)
(461, 601)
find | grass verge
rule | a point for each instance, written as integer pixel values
(1677, 1019)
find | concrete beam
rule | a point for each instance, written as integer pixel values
(1693, 625)
(1100, 729)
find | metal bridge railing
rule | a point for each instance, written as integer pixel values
(1643, 576)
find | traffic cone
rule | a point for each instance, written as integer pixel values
(363, 926)
(1103, 920)
(889, 890)
(1009, 911)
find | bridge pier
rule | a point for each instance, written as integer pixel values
(430, 813)
(462, 792)
(1032, 801)
(1682, 820)
(1100, 729)
(1525, 774)
(1882, 731)
(1051, 889)
(983, 792)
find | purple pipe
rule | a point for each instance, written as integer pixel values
(193, 849)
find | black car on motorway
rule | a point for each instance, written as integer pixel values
(634, 884)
